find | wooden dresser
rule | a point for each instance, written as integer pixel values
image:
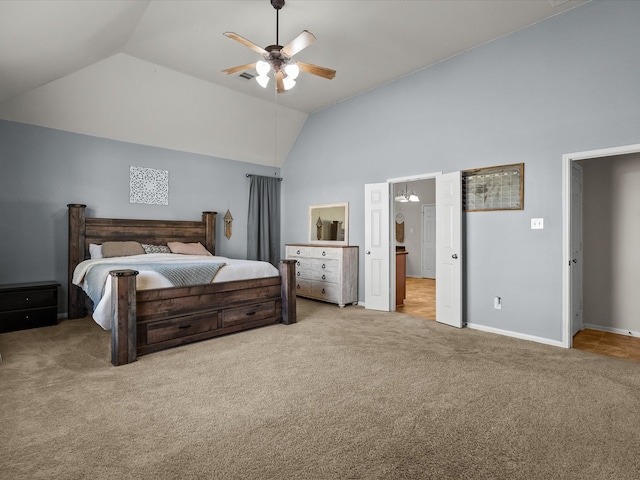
(328, 273)
(28, 305)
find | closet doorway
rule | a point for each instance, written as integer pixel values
(415, 242)
(598, 295)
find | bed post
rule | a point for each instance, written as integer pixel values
(209, 219)
(123, 320)
(288, 276)
(75, 305)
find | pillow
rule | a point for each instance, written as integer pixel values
(95, 250)
(121, 249)
(155, 248)
(188, 248)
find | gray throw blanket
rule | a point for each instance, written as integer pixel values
(180, 275)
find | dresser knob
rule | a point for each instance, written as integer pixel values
(324, 253)
(298, 252)
(324, 277)
(324, 266)
(298, 273)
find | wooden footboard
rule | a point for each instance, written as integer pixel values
(152, 320)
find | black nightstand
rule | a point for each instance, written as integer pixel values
(28, 305)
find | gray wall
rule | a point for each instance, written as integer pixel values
(43, 170)
(611, 229)
(564, 85)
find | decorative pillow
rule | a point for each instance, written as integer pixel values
(95, 250)
(155, 248)
(121, 249)
(188, 248)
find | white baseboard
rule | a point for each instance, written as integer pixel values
(619, 331)
(521, 336)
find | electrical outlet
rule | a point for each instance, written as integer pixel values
(497, 303)
(537, 223)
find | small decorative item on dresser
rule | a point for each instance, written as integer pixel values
(28, 305)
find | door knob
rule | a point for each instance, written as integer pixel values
(454, 256)
(368, 252)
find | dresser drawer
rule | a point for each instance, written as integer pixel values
(23, 319)
(303, 287)
(169, 329)
(248, 314)
(27, 299)
(294, 251)
(327, 270)
(321, 252)
(326, 291)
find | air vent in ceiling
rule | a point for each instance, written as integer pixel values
(246, 76)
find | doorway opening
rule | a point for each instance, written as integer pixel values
(588, 279)
(414, 244)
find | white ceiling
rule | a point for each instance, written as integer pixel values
(369, 43)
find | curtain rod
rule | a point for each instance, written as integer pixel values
(256, 175)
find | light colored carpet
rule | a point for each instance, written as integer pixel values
(343, 394)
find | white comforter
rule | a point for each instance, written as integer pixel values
(146, 279)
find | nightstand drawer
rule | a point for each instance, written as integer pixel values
(23, 319)
(28, 299)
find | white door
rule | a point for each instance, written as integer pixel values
(576, 248)
(449, 249)
(377, 292)
(428, 241)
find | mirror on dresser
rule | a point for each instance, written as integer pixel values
(329, 223)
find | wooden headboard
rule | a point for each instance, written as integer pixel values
(84, 230)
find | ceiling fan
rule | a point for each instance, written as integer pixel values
(279, 58)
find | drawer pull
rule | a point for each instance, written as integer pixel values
(250, 313)
(324, 266)
(298, 264)
(184, 326)
(298, 287)
(323, 292)
(298, 273)
(26, 299)
(324, 277)
(298, 253)
(324, 253)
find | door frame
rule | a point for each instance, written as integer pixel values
(567, 338)
(392, 265)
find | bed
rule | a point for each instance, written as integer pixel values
(154, 319)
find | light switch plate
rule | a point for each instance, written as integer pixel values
(537, 223)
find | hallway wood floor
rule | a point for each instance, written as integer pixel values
(421, 298)
(607, 343)
(421, 302)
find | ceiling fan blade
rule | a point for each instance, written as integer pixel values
(316, 70)
(239, 68)
(303, 40)
(245, 42)
(280, 82)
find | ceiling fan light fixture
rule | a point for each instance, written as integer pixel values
(288, 83)
(262, 67)
(292, 70)
(262, 80)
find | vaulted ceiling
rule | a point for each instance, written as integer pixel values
(58, 57)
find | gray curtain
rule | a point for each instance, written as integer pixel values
(263, 227)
